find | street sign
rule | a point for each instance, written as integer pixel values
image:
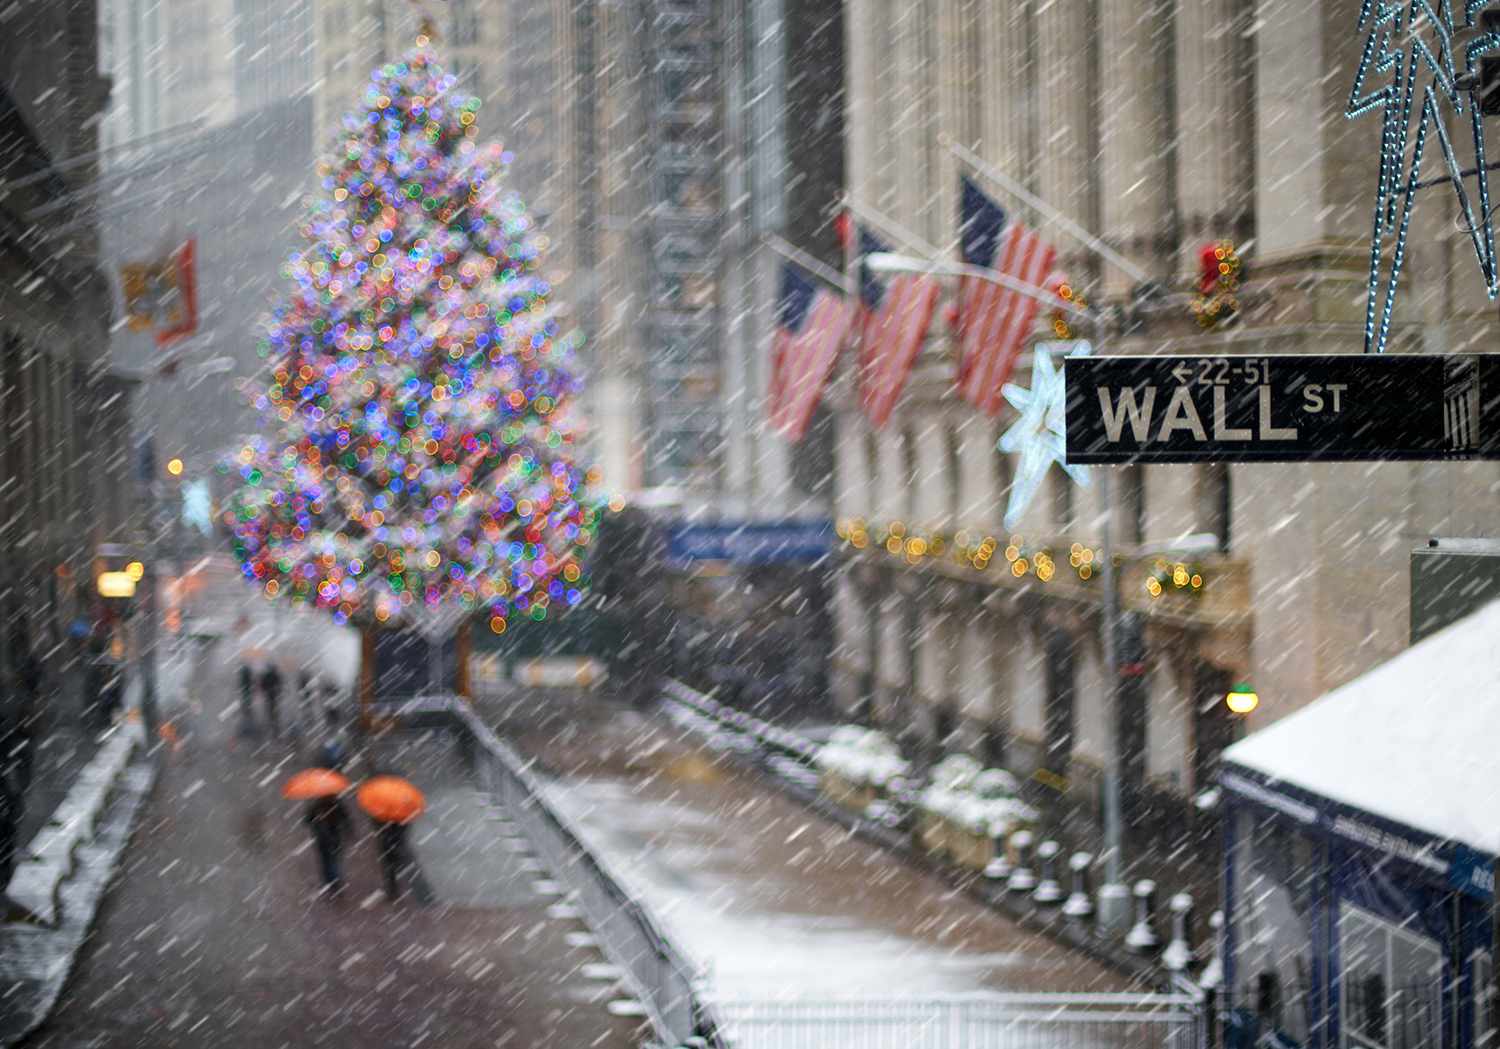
(1294, 408)
(750, 542)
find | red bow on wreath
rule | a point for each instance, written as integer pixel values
(1218, 280)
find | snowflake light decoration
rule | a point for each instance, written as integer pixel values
(1406, 38)
(1038, 437)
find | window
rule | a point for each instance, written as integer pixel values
(1391, 984)
(1062, 502)
(1486, 1002)
(1276, 906)
(1133, 504)
(1214, 501)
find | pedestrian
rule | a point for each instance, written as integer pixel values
(302, 720)
(333, 753)
(329, 822)
(398, 865)
(270, 687)
(247, 699)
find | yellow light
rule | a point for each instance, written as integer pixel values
(136, 571)
(497, 624)
(1044, 570)
(916, 546)
(116, 584)
(893, 544)
(1197, 582)
(1180, 576)
(1153, 587)
(1018, 567)
(1085, 571)
(1012, 552)
(1242, 699)
(174, 467)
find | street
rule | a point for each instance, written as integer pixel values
(213, 935)
(772, 899)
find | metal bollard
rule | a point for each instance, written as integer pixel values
(1179, 953)
(999, 868)
(1080, 902)
(1142, 937)
(1022, 877)
(1048, 890)
(1212, 977)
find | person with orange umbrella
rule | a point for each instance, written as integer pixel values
(326, 817)
(393, 802)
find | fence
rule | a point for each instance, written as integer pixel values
(653, 969)
(967, 1021)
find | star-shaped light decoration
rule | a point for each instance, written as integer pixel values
(1038, 436)
(1409, 39)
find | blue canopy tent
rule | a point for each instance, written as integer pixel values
(1361, 835)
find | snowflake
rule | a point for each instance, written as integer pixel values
(1038, 437)
(1406, 37)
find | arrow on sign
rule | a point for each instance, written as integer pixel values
(1178, 372)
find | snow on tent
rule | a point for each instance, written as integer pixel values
(1361, 839)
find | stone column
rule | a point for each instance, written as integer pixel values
(1008, 87)
(1214, 134)
(932, 666)
(1134, 200)
(906, 79)
(851, 654)
(892, 496)
(1065, 133)
(893, 660)
(979, 498)
(852, 474)
(976, 672)
(932, 499)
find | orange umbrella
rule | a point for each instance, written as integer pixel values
(314, 783)
(390, 799)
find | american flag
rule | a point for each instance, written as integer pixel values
(994, 321)
(811, 325)
(893, 319)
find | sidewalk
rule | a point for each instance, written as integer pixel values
(213, 936)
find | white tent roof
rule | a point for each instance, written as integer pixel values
(1416, 740)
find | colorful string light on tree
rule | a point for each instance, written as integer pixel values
(417, 453)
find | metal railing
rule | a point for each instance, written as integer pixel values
(967, 1021)
(654, 970)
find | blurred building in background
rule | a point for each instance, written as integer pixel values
(65, 467)
(1164, 128)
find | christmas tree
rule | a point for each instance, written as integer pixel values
(417, 456)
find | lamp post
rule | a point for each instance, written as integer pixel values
(1114, 897)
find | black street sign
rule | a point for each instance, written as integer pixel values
(1295, 408)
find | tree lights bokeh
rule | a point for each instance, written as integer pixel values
(417, 455)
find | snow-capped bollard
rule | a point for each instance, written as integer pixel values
(1022, 877)
(1212, 977)
(1179, 953)
(1080, 902)
(1142, 937)
(999, 868)
(1049, 889)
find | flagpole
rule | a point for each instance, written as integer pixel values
(1057, 218)
(790, 252)
(890, 226)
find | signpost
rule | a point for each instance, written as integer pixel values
(1297, 408)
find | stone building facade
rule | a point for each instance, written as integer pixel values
(65, 466)
(1161, 126)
